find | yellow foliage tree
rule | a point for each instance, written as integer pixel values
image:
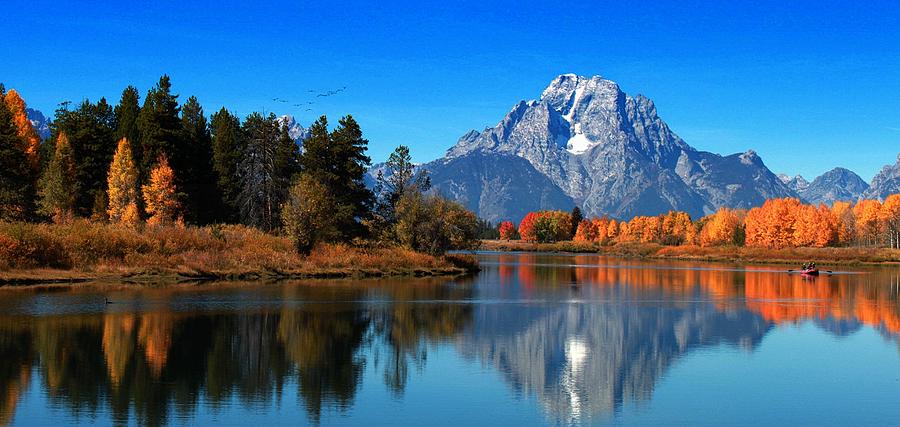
(123, 186)
(160, 198)
(26, 131)
(842, 212)
(586, 232)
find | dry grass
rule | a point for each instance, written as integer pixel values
(718, 253)
(54, 252)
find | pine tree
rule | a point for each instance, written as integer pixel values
(160, 127)
(127, 113)
(202, 201)
(577, 216)
(338, 161)
(59, 186)
(123, 186)
(159, 195)
(268, 165)
(91, 132)
(396, 178)
(228, 145)
(16, 180)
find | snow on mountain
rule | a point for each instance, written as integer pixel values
(40, 122)
(611, 154)
(297, 132)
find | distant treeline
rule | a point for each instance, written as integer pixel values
(778, 223)
(159, 162)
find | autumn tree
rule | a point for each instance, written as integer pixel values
(30, 138)
(160, 197)
(677, 229)
(507, 231)
(526, 227)
(890, 217)
(16, 181)
(721, 228)
(58, 187)
(586, 231)
(774, 224)
(123, 186)
(868, 226)
(433, 224)
(842, 212)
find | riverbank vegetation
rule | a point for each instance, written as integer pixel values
(161, 189)
(779, 230)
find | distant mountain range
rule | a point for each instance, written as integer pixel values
(40, 122)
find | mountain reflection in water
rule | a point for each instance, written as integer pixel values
(581, 335)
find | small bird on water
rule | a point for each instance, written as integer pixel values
(107, 300)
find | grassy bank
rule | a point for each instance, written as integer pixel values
(82, 250)
(833, 256)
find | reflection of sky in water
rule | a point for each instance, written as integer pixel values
(519, 344)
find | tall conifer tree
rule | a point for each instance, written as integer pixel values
(16, 181)
(58, 185)
(228, 143)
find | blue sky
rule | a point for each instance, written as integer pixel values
(808, 85)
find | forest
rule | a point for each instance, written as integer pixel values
(144, 173)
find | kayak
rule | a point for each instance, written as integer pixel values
(810, 272)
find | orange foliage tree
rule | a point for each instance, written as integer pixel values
(773, 224)
(890, 217)
(678, 229)
(160, 198)
(26, 131)
(867, 223)
(586, 232)
(842, 212)
(526, 227)
(507, 230)
(721, 228)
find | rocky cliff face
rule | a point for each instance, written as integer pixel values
(838, 184)
(610, 153)
(887, 182)
(40, 122)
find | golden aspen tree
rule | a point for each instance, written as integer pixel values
(586, 231)
(890, 217)
(160, 197)
(123, 186)
(845, 222)
(867, 224)
(26, 131)
(721, 228)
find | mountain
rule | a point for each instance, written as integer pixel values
(39, 121)
(297, 132)
(608, 152)
(887, 182)
(797, 183)
(838, 184)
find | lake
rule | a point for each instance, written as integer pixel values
(533, 339)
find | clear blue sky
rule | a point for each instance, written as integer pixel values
(808, 85)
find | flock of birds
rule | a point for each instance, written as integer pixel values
(318, 94)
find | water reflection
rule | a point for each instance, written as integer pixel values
(582, 335)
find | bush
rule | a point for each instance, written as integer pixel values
(434, 225)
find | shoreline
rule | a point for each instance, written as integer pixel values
(734, 254)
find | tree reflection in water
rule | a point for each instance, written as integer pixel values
(582, 351)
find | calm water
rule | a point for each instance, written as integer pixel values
(533, 339)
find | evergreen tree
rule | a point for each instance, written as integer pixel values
(16, 181)
(159, 194)
(396, 178)
(197, 179)
(160, 128)
(577, 216)
(127, 113)
(267, 167)
(228, 144)
(91, 132)
(123, 186)
(338, 161)
(58, 185)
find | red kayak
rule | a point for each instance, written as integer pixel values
(810, 272)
